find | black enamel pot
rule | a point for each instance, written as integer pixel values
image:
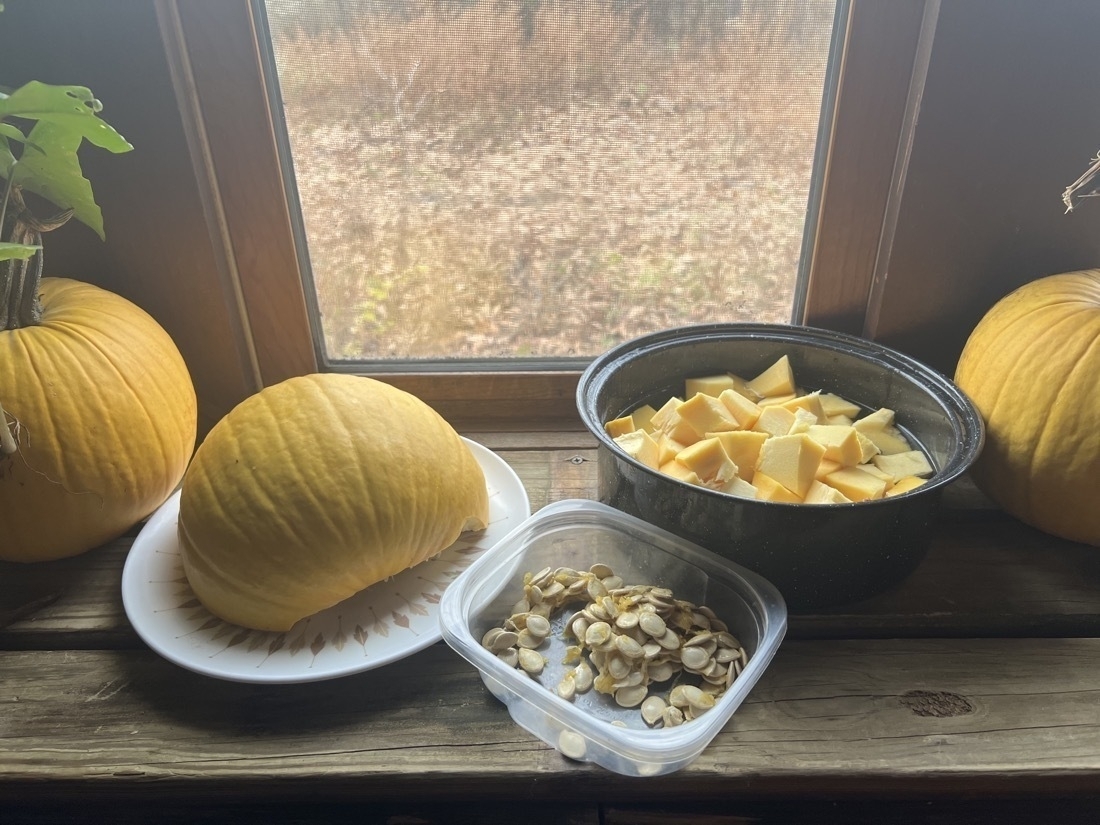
(819, 556)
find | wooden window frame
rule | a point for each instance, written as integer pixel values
(219, 76)
(923, 223)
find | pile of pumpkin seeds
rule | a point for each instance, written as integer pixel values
(627, 640)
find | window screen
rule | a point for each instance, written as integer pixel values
(521, 181)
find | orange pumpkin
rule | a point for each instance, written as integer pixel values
(100, 420)
(1032, 367)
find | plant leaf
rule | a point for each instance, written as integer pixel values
(66, 116)
(72, 107)
(55, 174)
(10, 132)
(8, 251)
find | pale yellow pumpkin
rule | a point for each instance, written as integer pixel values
(316, 488)
(1032, 367)
(102, 417)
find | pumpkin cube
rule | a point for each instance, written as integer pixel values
(899, 465)
(744, 410)
(620, 426)
(810, 402)
(643, 417)
(640, 445)
(678, 471)
(826, 466)
(778, 379)
(856, 484)
(777, 400)
(667, 448)
(737, 486)
(768, 489)
(704, 414)
(659, 419)
(676, 428)
(792, 460)
(715, 385)
(841, 443)
(708, 459)
(820, 493)
(743, 448)
(803, 420)
(775, 421)
(904, 485)
(879, 428)
(834, 405)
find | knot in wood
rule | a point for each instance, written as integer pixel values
(938, 703)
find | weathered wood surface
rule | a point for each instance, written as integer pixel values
(836, 717)
(977, 677)
(985, 575)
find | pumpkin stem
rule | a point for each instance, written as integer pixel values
(20, 278)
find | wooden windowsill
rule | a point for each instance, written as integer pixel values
(977, 679)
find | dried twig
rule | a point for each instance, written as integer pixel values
(1084, 187)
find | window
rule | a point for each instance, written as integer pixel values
(956, 210)
(215, 56)
(528, 182)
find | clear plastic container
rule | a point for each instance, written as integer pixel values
(579, 533)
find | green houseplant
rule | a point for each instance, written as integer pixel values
(98, 414)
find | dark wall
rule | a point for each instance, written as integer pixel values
(1010, 117)
(158, 250)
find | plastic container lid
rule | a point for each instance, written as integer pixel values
(593, 727)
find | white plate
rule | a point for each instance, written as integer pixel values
(386, 622)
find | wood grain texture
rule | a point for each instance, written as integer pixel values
(827, 716)
(247, 181)
(985, 574)
(875, 73)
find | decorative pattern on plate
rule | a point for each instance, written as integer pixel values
(386, 622)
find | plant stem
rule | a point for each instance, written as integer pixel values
(7, 195)
(19, 280)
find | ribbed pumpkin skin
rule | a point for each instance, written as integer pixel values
(315, 488)
(1032, 367)
(107, 416)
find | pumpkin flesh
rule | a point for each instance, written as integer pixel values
(1032, 367)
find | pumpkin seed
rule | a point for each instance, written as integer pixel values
(628, 638)
(567, 687)
(538, 626)
(529, 640)
(653, 709)
(597, 634)
(672, 716)
(694, 658)
(601, 570)
(626, 621)
(582, 677)
(628, 647)
(531, 661)
(572, 744)
(652, 624)
(629, 697)
(537, 579)
(504, 640)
